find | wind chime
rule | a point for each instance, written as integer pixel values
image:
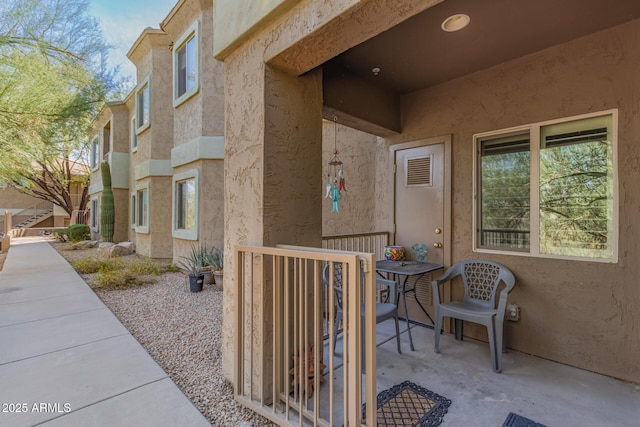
(336, 183)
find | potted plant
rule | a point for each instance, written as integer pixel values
(215, 258)
(193, 265)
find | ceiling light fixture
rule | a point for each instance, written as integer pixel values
(375, 71)
(455, 22)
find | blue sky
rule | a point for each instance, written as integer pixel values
(122, 22)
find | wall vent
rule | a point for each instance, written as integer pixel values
(419, 172)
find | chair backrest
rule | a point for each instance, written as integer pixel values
(337, 281)
(481, 279)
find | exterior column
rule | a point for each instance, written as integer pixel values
(273, 170)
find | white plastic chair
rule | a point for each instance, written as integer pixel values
(481, 280)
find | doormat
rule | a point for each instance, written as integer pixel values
(408, 404)
(515, 420)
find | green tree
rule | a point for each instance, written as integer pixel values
(53, 81)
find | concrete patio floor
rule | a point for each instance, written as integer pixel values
(546, 392)
(66, 360)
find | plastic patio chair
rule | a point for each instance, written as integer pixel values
(384, 310)
(481, 280)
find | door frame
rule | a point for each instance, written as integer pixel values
(446, 141)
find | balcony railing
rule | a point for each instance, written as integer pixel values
(505, 238)
(279, 343)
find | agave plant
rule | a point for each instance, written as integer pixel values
(194, 262)
(215, 258)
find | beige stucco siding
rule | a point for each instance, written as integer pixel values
(357, 150)
(584, 314)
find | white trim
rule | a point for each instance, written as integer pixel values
(95, 219)
(133, 135)
(182, 233)
(534, 136)
(95, 142)
(133, 198)
(201, 148)
(144, 126)
(192, 31)
(143, 229)
(96, 187)
(153, 167)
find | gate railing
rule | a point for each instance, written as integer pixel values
(359, 242)
(279, 344)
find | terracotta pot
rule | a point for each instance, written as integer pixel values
(219, 276)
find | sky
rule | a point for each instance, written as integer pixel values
(122, 21)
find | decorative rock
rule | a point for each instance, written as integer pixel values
(115, 251)
(103, 245)
(85, 244)
(130, 246)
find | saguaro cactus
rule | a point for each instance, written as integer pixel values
(107, 211)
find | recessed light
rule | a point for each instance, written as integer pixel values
(375, 71)
(455, 22)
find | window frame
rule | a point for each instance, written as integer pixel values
(134, 134)
(94, 223)
(141, 89)
(95, 153)
(181, 233)
(192, 33)
(534, 131)
(143, 195)
(133, 209)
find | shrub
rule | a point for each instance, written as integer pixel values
(95, 265)
(78, 232)
(115, 273)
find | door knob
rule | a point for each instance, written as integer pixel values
(437, 245)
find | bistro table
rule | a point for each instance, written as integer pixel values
(408, 269)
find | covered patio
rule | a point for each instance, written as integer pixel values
(546, 392)
(542, 80)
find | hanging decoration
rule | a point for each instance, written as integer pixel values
(335, 177)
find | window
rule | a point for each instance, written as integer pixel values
(95, 153)
(186, 202)
(185, 65)
(143, 103)
(185, 205)
(134, 135)
(548, 189)
(95, 215)
(142, 209)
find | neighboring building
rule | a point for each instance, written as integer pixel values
(495, 89)
(151, 158)
(110, 144)
(197, 99)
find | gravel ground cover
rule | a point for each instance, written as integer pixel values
(181, 330)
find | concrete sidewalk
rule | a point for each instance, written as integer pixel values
(66, 360)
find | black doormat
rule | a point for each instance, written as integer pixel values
(515, 420)
(408, 404)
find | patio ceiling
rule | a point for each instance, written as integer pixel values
(418, 54)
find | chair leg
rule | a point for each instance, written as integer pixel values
(496, 352)
(397, 333)
(498, 326)
(335, 329)
(437, 327)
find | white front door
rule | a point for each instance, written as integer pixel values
(420, 205)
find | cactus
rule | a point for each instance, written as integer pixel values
(107, 211)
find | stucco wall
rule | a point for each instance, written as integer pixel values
(357, 151)
(584, 314)
(210, 207)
